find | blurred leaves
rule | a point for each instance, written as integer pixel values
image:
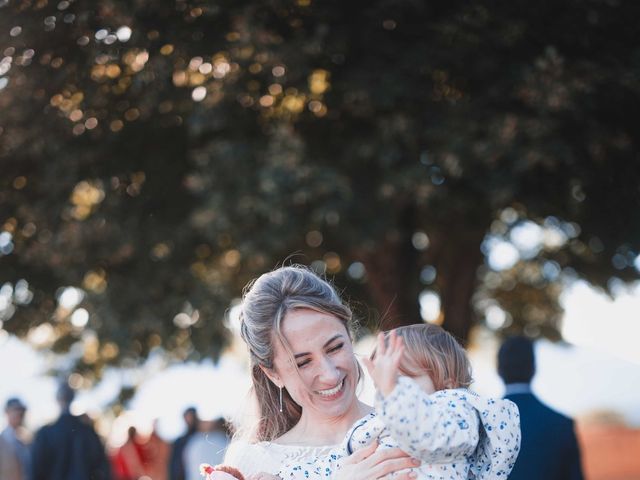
(159, 155)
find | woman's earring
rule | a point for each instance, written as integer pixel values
(280, 399)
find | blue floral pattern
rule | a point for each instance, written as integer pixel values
(457, 435)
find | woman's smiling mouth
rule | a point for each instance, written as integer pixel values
(331, 392)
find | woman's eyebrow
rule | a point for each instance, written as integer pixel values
(328, 342)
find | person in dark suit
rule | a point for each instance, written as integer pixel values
(177, 470)
(549, 448)
(69, 448)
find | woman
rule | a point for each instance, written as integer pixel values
(304, 376)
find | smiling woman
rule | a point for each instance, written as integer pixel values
(323, 375)
(304, 376)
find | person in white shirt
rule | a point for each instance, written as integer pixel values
(206, 445)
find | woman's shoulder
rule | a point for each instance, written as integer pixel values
(240, 450)
(248, 457)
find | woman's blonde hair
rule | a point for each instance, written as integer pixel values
(431, 349)
(265, 303)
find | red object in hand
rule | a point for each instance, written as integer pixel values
(230, 470)
(206, 469)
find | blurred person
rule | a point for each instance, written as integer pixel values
(156, 455)
(176, 462)
(69, 448)
(14, 443)
(207, 445)
(128, 462)
(549, 448)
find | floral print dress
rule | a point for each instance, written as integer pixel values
(457, 435)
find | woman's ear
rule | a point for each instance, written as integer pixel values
(271, 375)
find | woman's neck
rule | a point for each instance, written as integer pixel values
(314, 430)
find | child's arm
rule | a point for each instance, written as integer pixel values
(434, 428)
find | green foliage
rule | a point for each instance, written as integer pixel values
(163, 171)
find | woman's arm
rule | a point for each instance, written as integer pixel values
(356, 466)
(366, 464)
(371, 463)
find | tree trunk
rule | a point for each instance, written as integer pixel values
(393, 272)
(393, 281)
(457, 261)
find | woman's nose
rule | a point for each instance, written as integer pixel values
(329, 373)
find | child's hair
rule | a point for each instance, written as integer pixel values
(431, 349)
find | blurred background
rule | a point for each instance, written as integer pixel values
(471, 164)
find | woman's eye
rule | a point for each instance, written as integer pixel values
(302, 364)
(336, 348)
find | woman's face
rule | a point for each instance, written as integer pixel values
(325, 380)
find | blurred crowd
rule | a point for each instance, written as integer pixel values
(204, 441)
(70, 449)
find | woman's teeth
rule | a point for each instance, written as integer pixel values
(333, 391)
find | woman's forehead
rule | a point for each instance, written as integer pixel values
(308, 327)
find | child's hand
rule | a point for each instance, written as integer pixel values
(384, 366)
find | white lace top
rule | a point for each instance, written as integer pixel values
(270, 457)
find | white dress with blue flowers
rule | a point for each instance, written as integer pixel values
(457, 435)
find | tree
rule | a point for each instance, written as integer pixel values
(159, 155)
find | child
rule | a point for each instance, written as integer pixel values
(423, 407)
